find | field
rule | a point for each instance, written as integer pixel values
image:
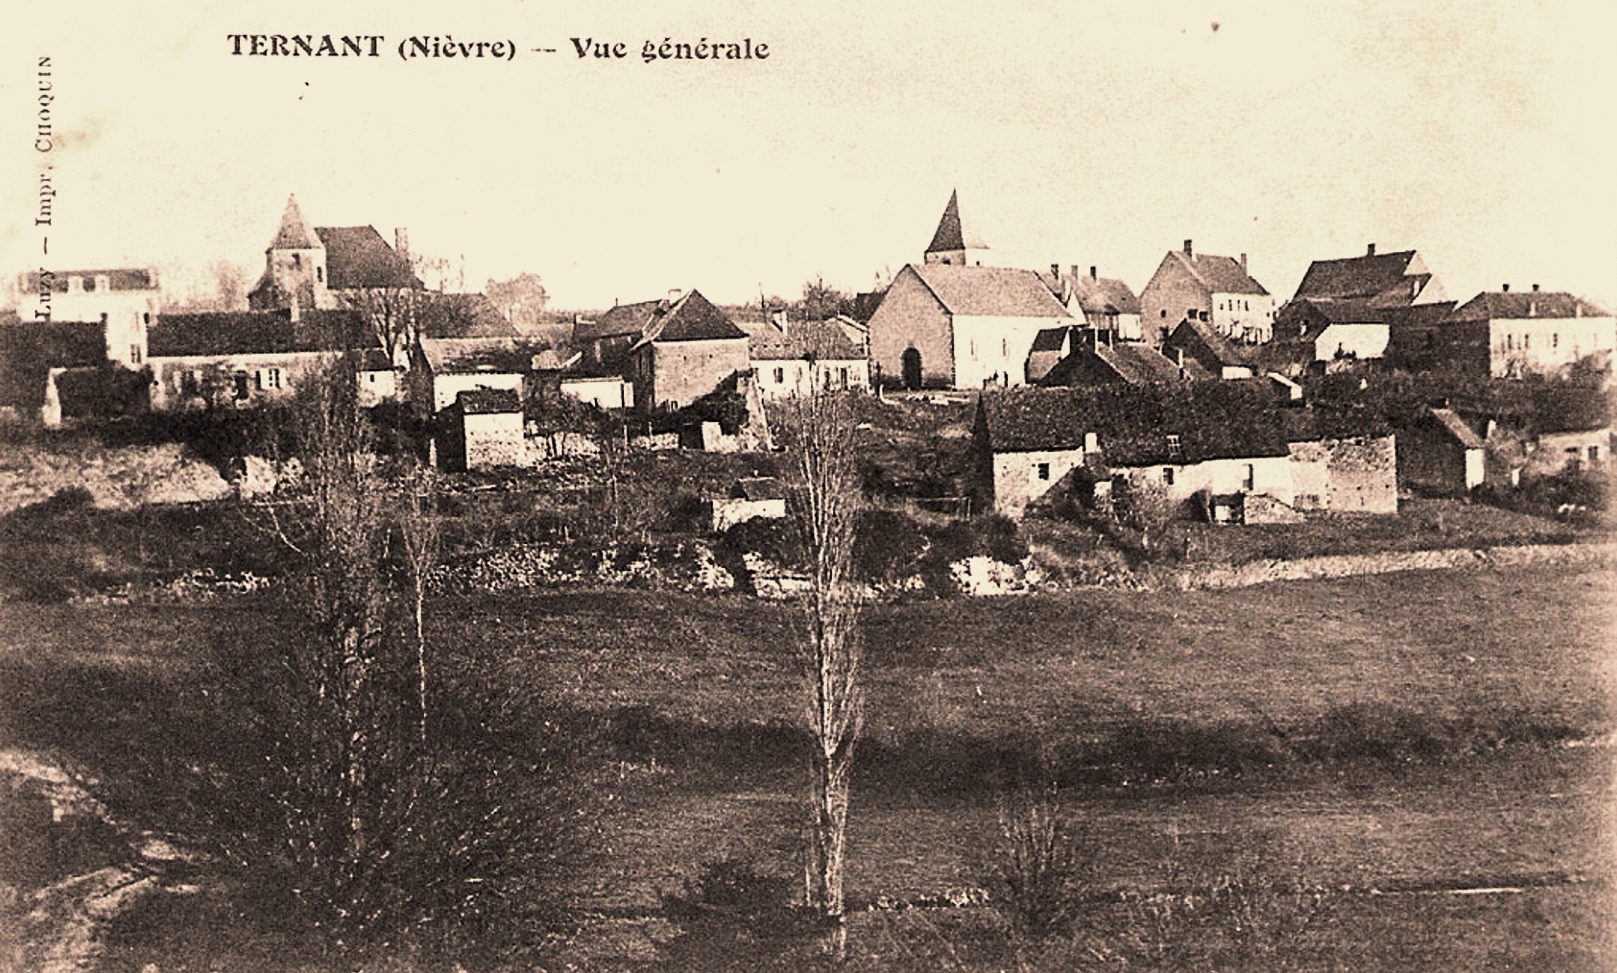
(1395, 742)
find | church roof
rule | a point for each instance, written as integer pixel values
(989, 291)
(952, 234)
(358, 257)
(294, 232)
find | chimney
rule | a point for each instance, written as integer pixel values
(1535, 288)
(674, 294)
(1074, 271)
(1091, 442)
(1243, 263)
(1504, 288)
(1092, 274)
(778, 319)
(1370, 251)
(401, 240)
(1188, 251)
(1055, 272)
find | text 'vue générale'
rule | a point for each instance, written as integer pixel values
(448, 47)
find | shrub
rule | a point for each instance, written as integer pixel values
(887, 546)
(1039, 861)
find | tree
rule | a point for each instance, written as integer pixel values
(521, 299)
(826, 498)
(821, 300)
(392, 315)
(417, 518)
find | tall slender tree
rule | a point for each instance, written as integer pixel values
(826, 500)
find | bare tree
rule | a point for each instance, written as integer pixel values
(419, 535)
(826, 496)
(521, 299)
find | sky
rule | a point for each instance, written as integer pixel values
(1079, 133)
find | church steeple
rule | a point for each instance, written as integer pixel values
(294, 267)
(954, 243)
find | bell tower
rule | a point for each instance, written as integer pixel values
(294, 267)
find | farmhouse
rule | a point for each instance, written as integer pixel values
(1439, 454)
(792, 358)
(122, 300)
(241, 359)
(1512, 334)
(1212, 289)
(688, 349)
(1386, 280)
(1104, 304)
(442, 368)
(482, 429)
(1102, 362)
(1220, 448)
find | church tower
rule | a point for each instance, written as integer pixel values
(954, 243)
(294, 268)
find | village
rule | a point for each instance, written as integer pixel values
(1203, 386)
(365, 618)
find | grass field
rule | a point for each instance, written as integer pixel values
(1385, 737)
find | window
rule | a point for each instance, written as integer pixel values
(1594, 454)
(1044, 471)
(319, 273)
(134, 354)
(1527, 342)
(297, 261)
(1249, 478)
(89, 284)
(1004, 348)
(1555, 340)
(780, 376)
(272, 378)
(1175, 446)
(1167, 476)
(972, 345)
(241, 387)
(842, 376)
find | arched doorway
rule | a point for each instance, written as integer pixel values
(912, 368)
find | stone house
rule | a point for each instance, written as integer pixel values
(1509, 334)
(442, 368)
(242, 359)
(1195, 342)
(797, 357)
(688, 348)
(1104, 304)
(1099, 361)
(1221, 447)
(482, 430)
(1212, 289)
(1385, 280)
(123, 301)
(1439, 454)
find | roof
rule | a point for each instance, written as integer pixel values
(622, 320)
(1105, 295)
(1570, 408)
(462, 316)
(1384, 278)
(293, 233)
(1050, 339)
(951, 233)
(822, 340)
(357, 257)
(1220, 275)
(1222, 348)
(29, 350)
(467, 356)
(473, 402)
(370, 360)
(1464, 434)
(1213, 420)
(989, 291)
(691, 318)
(758, 488)
(220, 333)
(118, 279)
(1131, 361)
(1527, 304)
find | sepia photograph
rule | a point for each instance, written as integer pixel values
(737, 485)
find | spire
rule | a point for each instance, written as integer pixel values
(294, 232)
(952, 234)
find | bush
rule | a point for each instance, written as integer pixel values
(1039, 860)
(887, 546)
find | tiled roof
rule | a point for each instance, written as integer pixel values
(622, 320)
(118, 279)
(951, 233)
(254, 333)
(370, 360)
(1527, 304)
(467, 356)
(1131, 362)
(293, 233)
(28, 351)
(1457, 427)
(1220, 275)
(823, 340)
(462, 316)
(989, 291)
(358, 257)
(1213, 420)
(1383, 278)
(1050, 339)
(488, 401)
(1225, 351)
(1105, 295)
(692, 318)
(1570, 408)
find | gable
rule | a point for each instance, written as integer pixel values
(357, 258)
